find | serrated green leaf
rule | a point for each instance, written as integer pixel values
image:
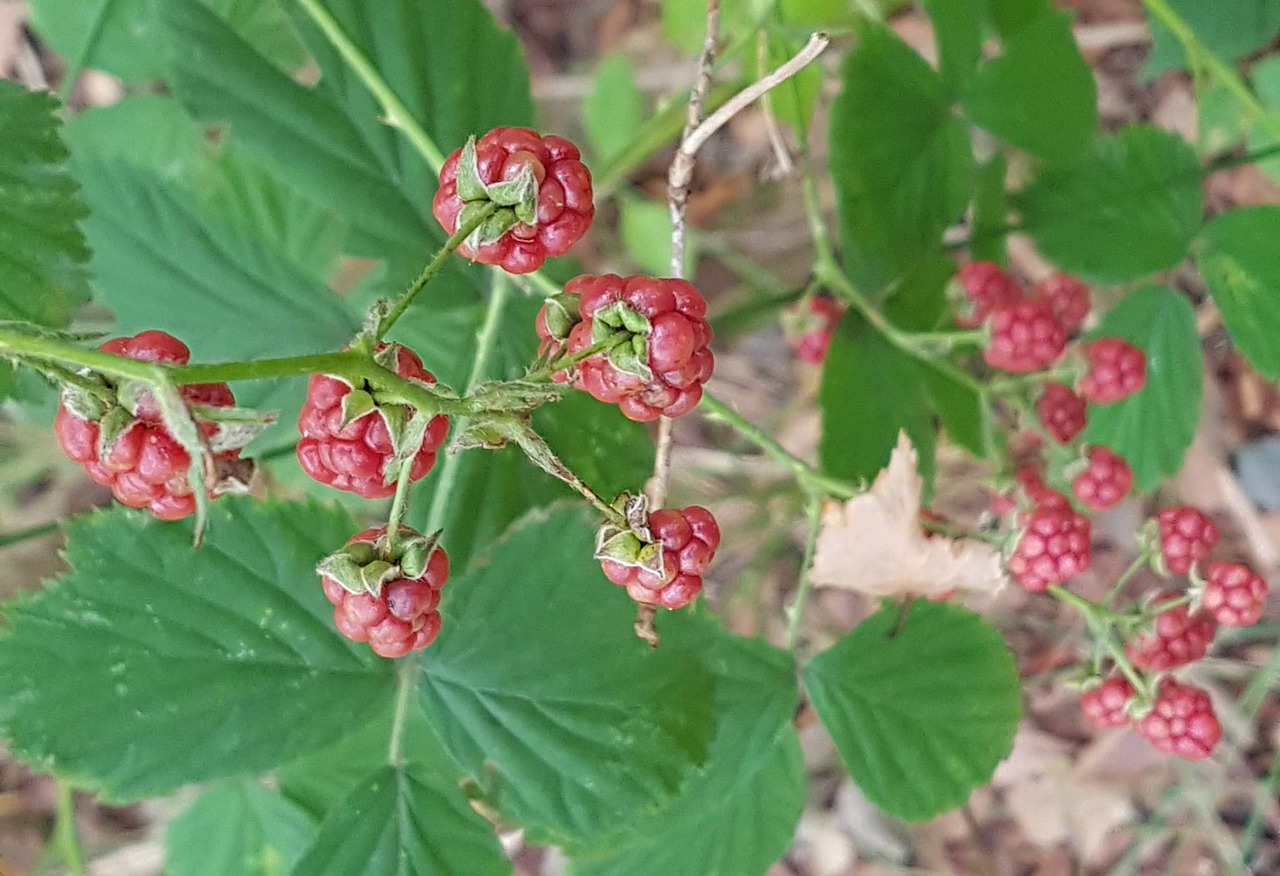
(870, 391)
(541, 692)
(1039, 94)
(900, 160)
(990, 213)
(920, 713)
(608, 451)
(42, 252)
(237, 829)
(957, 26)
(149, 650)
(398, 822)
(1240, 263)
(614, 110)
(1153, 428)
(119, 36)
(1128, 207)
(1229, 30)
(161, 261)
(964, 412)
(308, 138)
(739, 814)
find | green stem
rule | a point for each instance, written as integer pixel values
(39, 531)
(486, 342)
(807, 475)
(398, 503)
(582, 355)
(1101, 629)
(64, 838)
(1229, 162)
(1202, 58)
(433, 267)
(795, 612)
(822, 250)
(395, 113)
(405, 684)
(1128, 573)
(1258, 815)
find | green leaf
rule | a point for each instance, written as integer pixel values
(900, 160)
(965, 412)
(161, 261)
(541, 692)
(1039, 95)
(614, 110)
(1011, 17)
(308, 139)
(920, 713)
(42, 252)
(870, 390)
(608, 451)
(794, 101)
(1153, 428)
(1240, 264)
(1128, 207)
(400, 821)
(739, 814)
(237, 829)
(148, 131)
(646, 233)
(119, 36)
(1229, 30)
(149, 650)
(990, 213)
(957, 26)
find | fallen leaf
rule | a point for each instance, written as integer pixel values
(874, 544)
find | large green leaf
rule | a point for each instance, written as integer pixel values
(1039, 94)
(237, 829)
(119, 36)
(310, 140)
(900, 160)
(398, 822)
(739, 814)
(1229, 30)
(614, 110)
(1128, 207)
(921, 711)
(870, 391)
(162, 261)
(539, 689)
(1153, 428)
(42, 253)
(149, 652)
(957, 26)
(1240, 263)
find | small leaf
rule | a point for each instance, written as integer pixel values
(921, 709)
(1230, 31)
(237, 829)
(1128, 207)
(42, 252)
(599, 729)
(1039, 94)
(148, 650)
(1153, 428)
(1240, 263)
(614, 110)
(738, 815)
(900, 159)
(957, 25)
(870, 391)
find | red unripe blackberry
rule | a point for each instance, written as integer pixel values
(1182, 721)
(1234, 595)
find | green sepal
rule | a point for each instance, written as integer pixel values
(488, 430)
(624, 547)
(562, 314)
(111, 426)
(502, 221)
(407, 428)
(619, 316)
(470, 186)
(130, 393)
(355, 405)
(520, 193)
(357, 577)
(83, 403)
(176, 415)
(415, 552)
(387, 357)
(632, 358)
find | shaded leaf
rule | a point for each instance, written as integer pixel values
(237, 829)
(1153, 428)
(1240, 264)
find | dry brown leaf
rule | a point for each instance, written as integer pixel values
(874, 544)
(1054, 801)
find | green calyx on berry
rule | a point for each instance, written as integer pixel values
(630, 355)
(516, 199)
(632, 546)
(363, 567)
(561, 315)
